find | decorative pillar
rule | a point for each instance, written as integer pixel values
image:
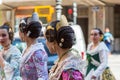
(13, 18)
(58, 9)
(96, 18)
(74, 13)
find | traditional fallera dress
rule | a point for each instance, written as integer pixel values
(69, 69)
(97, 60)
(12, 60)
(34, 63)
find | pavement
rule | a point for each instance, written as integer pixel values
(114, 64)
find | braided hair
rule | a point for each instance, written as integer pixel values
(64, 36)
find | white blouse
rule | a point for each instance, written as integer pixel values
(103, 55)
(12, 60)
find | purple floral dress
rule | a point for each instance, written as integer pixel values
(34, 64)
(71, 74)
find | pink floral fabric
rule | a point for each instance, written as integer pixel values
(35, 67)
(71, 74)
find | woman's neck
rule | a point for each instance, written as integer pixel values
(95, 44)
(30, 42)
(6, 47)
(62, 53)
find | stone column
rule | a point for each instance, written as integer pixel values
(101, 17)
(109, 18)
(8, 16)
(96, 18)
(75, 13)
(13, 18)
(4, 16)
(58, 9)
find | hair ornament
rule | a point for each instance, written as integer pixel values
(28, 33)
(60, 44)
(50, 27)
(62, 40)
(10, 30)
(23, 21)
(63, 22)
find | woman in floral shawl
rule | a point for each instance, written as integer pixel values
(60, 39)
(34, 58)
(9, 55)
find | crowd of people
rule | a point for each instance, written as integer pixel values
(31, 64)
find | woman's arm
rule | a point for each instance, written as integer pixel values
(2, 61)
(103, 63)
(40, 61)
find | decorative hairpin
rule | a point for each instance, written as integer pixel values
(60, 44)
(28, 33)
(62, 40)
(50, 27)
(63, 22)
(10, 30)
(23, 21)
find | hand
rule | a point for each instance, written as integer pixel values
(93, 77)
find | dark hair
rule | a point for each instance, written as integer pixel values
(9, 30)
(51, 32)
(100, 32)
(64, 36)
(32, 28)
(23, 24)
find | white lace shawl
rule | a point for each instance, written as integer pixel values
(71, 61)
(103, 51)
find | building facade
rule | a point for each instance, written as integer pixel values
(91, 14)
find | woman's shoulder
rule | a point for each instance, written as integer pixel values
(38, 49)
(40, 54)
(102, 46)
(14, 50)
(102, 43)
(73, 62)
(89, 45)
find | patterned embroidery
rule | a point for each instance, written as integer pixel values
(34, 66)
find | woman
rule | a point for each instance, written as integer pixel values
(60, 39)
(9, 55)
(97, 56)
(34, 58)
